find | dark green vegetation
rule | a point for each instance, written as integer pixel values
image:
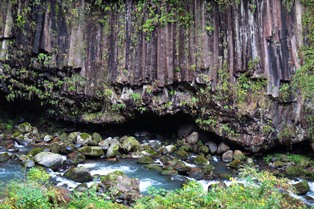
(31, 193)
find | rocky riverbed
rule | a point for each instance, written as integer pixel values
(79, 160)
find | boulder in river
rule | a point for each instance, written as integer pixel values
(238, 155)
(91, 151)
(121, 186)
(302, 187)
(212, 147)
(222, 147)
(145, 160)
(192, 138)
(78, 174)
(83, 138)
(49, 159)
(4, 157)
(185, 129)
(227, 156)
(25, 127)
(113, 151)
(74, 158)
(130, 144)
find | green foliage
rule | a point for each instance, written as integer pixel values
(288, 4)
(286, 133)
(136, 98)
(18, 194)
(284, 91)
(267, 129)
(38, 174)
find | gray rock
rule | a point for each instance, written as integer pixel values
(49, 159)
(79, 174)
(113, 151)
(192, 138)
(103, 144)
(212, 147)
(48, 138)
(25, 127)
(227, 156)
(222, 147)
(130, 144)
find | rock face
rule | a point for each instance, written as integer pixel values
(221, 64)
(49, 159)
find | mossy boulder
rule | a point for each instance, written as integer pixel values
(145, 160)
(83, 138)
(121, 186)
(181, 154)
(295, 171)
(200, 160)
(235, 163)
(74, 158)
(113, 151)
(130, 144)
(227, 156)
(4, 157)
(203, 149)
(78, 174)
(181, 167)
(35, 151)
(192, 138)
(185, 147)
(302, 187)
(91, 151)
(25, 127)
(238, 155)
(196, 173)
(66, 148)
(169, 172)
(96, 137)
(154, 167)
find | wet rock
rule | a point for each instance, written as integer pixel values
(83, 138)
(73, 136)
(103, 144)
(302, 187)
(145, 160)
(212, 147)
(25, 127)
(35, 151)
(186, 129)
(237, 154)
(234, 164)
(169, 172)
(8, 144)
(154, 167)
(130, 144)
(113, 151)
(48, 138)
(181, 154)
(227, 156)
(78, 174)
(117, 183)
(74, 158)
(91, 151)
(181, 167)
(203, 149)
(196, 173)
(222, 147)
(55, 147)
(66, 148)
(192, 138)
(200, 160)
(185, 147)
(4, 157)
(49, 159)
(96, 137)
(170, 149)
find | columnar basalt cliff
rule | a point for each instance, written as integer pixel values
(227, 64)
